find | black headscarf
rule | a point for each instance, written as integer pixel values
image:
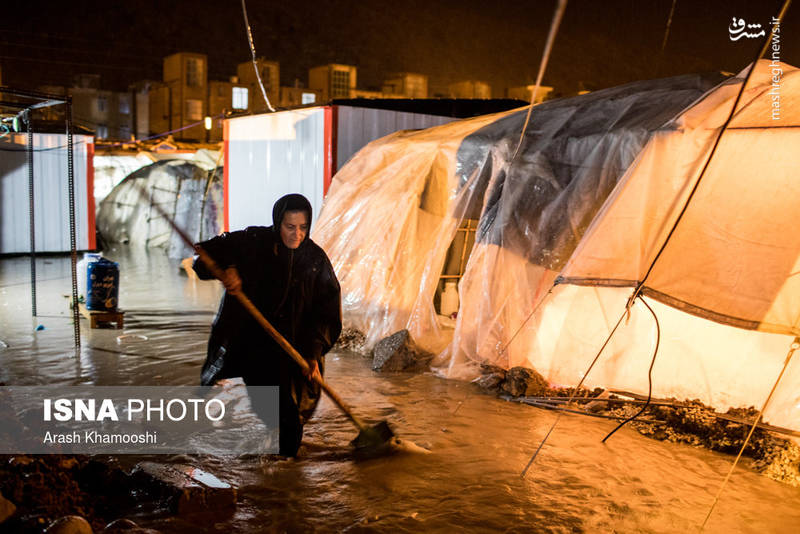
(291, 202)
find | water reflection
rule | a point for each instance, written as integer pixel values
(471, 480)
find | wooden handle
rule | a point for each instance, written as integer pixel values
(285, 345)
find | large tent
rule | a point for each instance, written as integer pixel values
(575, 219)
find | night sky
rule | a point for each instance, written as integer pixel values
(600, 44)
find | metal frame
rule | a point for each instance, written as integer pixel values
(45, 100)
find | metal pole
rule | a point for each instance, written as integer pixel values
(72, 241)
(31, 217)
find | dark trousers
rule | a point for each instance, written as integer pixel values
(290, 430)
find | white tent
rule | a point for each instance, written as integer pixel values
(567, 230)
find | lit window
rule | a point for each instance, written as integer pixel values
(124, 106)
(194, 110)
(102, 131)
(240, 98)
(102, 104)
(308, 98)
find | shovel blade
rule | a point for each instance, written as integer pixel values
(374, 437)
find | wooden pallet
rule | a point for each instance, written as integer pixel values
(96, 317)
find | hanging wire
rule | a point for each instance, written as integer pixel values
(574, 392)
(253, 53)
(649, 375)
(669, 25)
(551, 37)
(795, 345)
(31, 208)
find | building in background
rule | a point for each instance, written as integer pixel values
(333, 81)
(470, 89)
(271, 78)
(186, 76)
(524, 92)
(107, 113)
(406, 85)
(224, 97)
(299, 96)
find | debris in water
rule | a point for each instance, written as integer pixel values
(40, 327)
(130, 337)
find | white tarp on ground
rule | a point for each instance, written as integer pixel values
(596, 187)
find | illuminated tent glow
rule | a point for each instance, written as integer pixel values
(568, 230)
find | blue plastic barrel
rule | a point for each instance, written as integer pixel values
(103, 285)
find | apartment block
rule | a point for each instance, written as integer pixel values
(333, 81)
(270, 73)
(470, 89)
(406, 85)
(186, 76)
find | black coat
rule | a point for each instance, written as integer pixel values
(298, 293)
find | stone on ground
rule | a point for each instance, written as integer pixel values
(186, 489)
(398, 352)
(521, 381)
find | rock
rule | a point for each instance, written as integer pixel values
(7, 508)
(491, 381)
(126, 526)
(398, 352)
(597, 406)
(70, 524)
(521, 381)
(186, 489)
(491, 377)
(352, 340)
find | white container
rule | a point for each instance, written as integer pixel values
(82, 270)
(449, 304)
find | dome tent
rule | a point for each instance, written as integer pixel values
(566, 232)
(190, 194)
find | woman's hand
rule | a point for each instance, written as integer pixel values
(231, 281)
(313, 373)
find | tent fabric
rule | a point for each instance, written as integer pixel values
(567, 229)
(189, 193)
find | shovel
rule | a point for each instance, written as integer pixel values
(371, 440)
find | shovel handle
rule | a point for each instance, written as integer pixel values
(285, 345)
(257, 315)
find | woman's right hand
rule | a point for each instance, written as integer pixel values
(231, 281)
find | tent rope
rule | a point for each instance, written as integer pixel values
(574, 392)
(795, 345)
(649, 375)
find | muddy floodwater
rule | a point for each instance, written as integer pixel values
(479, 444)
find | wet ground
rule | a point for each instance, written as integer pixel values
(471, 480)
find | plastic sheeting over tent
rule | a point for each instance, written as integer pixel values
(574, 224)
(187, 192)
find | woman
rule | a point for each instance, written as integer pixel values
(291, 281)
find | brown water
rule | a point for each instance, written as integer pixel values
(471, 480)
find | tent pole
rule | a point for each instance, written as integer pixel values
(72, 239)
(31, 211)
(795, 345)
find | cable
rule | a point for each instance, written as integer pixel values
(253, 53)
(649, 375)
(551, 37)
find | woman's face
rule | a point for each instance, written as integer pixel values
(294, 228)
